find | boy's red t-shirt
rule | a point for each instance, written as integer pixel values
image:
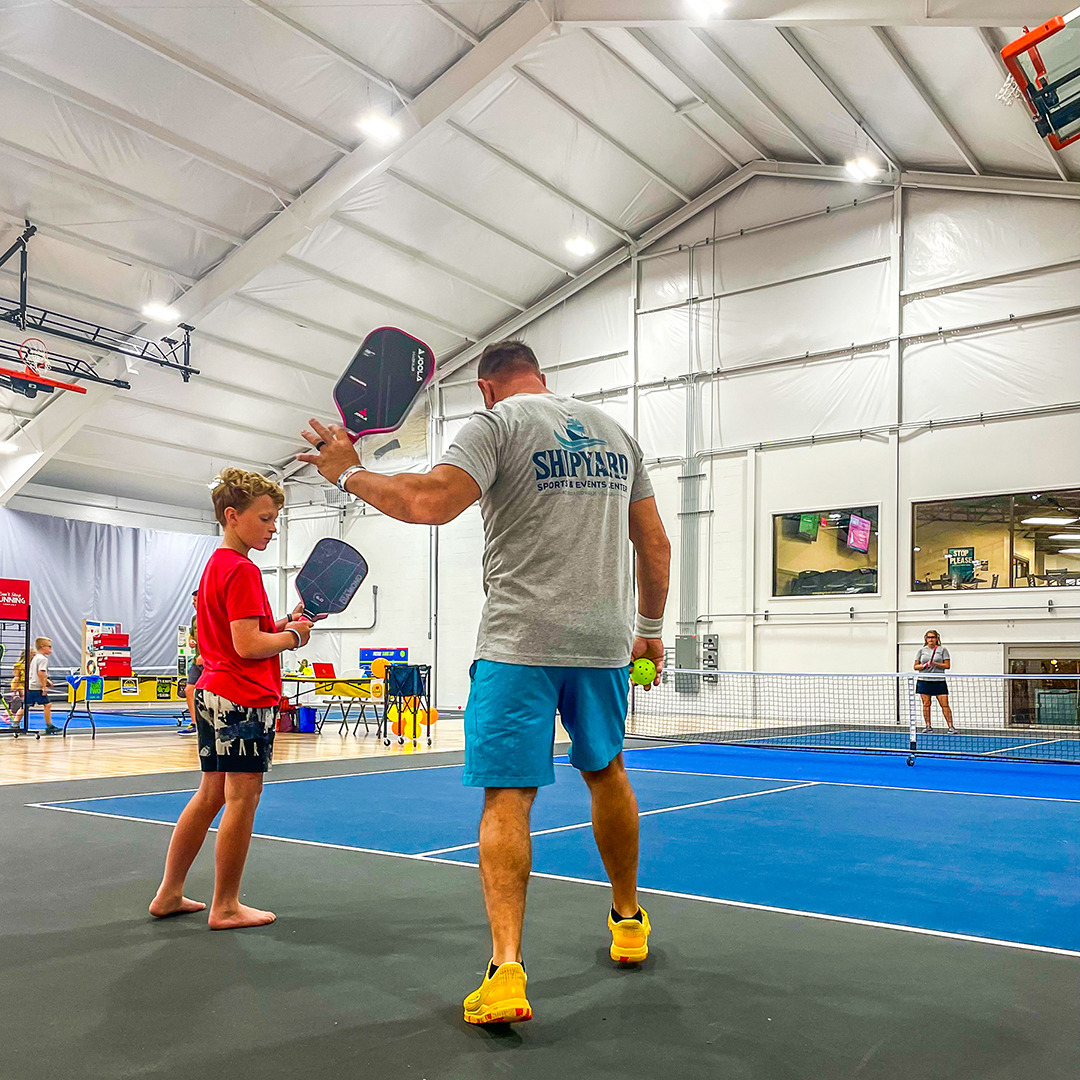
(231, 588)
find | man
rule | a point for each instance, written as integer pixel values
(194, 671)
(562, 489)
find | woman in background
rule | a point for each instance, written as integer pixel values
(932, 661)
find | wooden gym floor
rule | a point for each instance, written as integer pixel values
(78, 757)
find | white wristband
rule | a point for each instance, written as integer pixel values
(343, 479)
(648, 628)
(295, 634)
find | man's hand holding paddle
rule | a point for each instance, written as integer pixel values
(334, 451)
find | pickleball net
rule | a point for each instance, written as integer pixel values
(997, 717)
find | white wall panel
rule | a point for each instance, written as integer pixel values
(619, 408)
(1040, 292)
(860, 645)
(593, 322)
(585, 378)
(806, 399)
(802, 247)
(765, 200)
(804, 316)
(461, 601)
(1022, 366)
(951, 237)
(1036, 453)
(662, 422)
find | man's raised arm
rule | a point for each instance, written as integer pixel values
(431, 498)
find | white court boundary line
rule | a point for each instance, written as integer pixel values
(1024, 746)
(268, 783)
(558, 764)
(744, 905)
(643, 813)
(841, 783)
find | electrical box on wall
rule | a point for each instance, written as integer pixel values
(686, 657)
(710, 657)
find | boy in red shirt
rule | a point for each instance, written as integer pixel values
(236, 701)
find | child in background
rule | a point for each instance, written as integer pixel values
(16, 703)
(37, 692)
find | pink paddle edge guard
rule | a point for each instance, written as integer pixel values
(427, 378)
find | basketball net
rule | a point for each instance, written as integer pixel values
(1009, 93)
(34, 355)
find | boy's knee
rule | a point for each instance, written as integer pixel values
(243, 787)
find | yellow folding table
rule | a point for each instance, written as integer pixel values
(345, 693)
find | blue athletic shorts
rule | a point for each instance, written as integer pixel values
(510, 721)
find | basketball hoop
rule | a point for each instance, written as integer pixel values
(34, 355)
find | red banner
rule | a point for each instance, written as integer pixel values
(14, 599)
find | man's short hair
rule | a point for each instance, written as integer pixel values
(506, 358)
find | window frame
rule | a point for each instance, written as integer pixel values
(1011, 494)
(774, 514)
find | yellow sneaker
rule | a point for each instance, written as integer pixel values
(629, 938)
(501, 998)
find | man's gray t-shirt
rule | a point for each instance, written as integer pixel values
(925, 655)
(556, 479)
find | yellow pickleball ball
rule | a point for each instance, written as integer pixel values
(643, 671)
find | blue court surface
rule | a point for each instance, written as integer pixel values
(111, 721)
(970, 848)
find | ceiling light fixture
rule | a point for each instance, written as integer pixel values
(1049, 521)
(161, 313)
(379, 127)
(862, 169)
(578, 245)
(1069, 551)
(1065, 536)
(706, 9)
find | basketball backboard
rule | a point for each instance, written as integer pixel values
(1045, 64)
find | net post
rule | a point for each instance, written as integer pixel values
(913, 720)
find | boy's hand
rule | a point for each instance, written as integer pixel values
(303, 628)
(298, 615)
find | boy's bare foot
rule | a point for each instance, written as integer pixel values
(240, 916)
(162, 906)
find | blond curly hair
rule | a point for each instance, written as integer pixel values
(239, 489)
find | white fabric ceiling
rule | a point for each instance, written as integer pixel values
(149, 140)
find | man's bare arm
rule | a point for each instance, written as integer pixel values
(653, 557)
(431, 498)
(653, 568)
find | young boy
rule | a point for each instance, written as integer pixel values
(236, 701)
(39, 683)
